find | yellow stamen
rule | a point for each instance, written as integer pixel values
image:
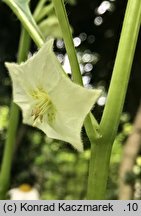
(43, 106)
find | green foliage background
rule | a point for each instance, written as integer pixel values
(53, 167)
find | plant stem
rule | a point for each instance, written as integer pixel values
(46, 10)
(65, 28)
(92, 129)
(27, 21)
(101, 151)
(24, 45)
(13, 123)
(39, 8)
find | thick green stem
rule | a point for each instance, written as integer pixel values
(91, 128)
(101, 151)
(65, 28)
(12, 128)
(8, 151)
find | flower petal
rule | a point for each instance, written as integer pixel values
(49, 99)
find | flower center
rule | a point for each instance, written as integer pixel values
(43, 106)
(25, 188)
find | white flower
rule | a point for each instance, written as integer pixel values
(49, 100)
(24, 192)
(138, 161)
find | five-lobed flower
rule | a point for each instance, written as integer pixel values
(49, 100)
